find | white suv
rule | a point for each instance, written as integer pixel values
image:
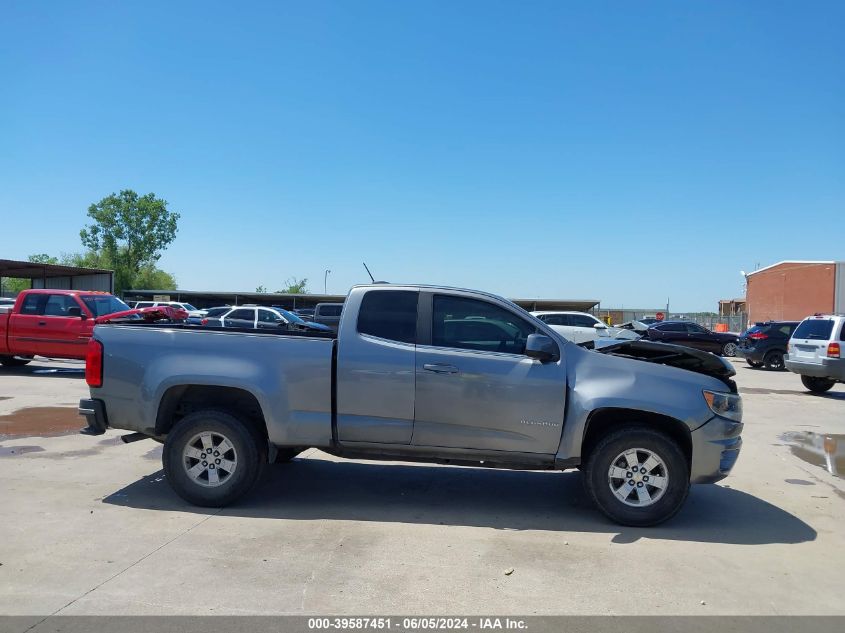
(578, 327)
(815, 351)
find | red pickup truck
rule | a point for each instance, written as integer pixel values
(54, 323)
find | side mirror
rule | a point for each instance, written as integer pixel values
(541, 347)
(600, 326)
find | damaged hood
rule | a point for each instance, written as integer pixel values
(673, 356)
(157, 313)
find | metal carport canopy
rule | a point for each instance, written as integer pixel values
(10, 268)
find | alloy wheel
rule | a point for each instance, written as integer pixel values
(638, 477)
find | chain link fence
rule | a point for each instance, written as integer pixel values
(729, 323)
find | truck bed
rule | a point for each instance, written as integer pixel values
(289, 373)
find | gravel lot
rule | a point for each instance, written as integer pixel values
(90, 527)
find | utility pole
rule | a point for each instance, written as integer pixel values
(326, 281)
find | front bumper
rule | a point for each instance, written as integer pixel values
(94, 412)
(715, 449)
(828, 368)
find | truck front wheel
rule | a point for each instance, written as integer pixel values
(637, 476)
(211, 458)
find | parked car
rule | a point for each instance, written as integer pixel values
(6, 302)
(693, 335)
(815, 351)
(765, 344)
(305, 313)
(260, 317)
(328, 314)
(304, 323)
(578, 327)
(187, 307)
(53, 323)
(415, 373)
(209, 313)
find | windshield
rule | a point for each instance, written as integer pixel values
(814, 329)
(189, 307)
(290, 316)
(103, 304)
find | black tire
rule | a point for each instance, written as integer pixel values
(774, 361)
(250, 452)
(12, 361)
(284, 455)
(753, 363)
(598, 483)
(818, 385)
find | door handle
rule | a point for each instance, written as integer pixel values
(440, 369)
(42, 323)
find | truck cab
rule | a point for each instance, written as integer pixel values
(53, 323)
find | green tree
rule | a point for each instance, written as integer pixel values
(152, 278)
(261, 289)
(131, 231)
(294, 286)
(42, 258)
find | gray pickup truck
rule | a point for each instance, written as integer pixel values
(420, 373)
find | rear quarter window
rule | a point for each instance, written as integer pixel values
(816, 329)
(390, 314)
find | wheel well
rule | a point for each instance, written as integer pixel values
(603, 421)
(181, 400)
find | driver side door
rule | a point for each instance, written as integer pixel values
(475, 388)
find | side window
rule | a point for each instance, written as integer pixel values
(694, 328)
(390, 314)
(842, 333)
(477, 325)
(672, 327)
(582, 320)
(244, 314)
(556, 319)
(266, 316)
(34, 304)
(57, 305)
(330, 310)
(785, 330)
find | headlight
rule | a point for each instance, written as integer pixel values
(727, 405)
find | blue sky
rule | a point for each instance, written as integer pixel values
(624, 151)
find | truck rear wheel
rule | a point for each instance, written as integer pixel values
(211, 458)
(637, 476)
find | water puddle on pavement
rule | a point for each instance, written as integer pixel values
(9, 451)
(819, 449)
(41, 422)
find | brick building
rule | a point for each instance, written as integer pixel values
(792, 290)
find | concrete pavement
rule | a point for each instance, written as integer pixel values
(91, 527)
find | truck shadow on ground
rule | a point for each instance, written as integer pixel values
(318, 489)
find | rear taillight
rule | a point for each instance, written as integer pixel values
(833, 350)
(204, 322)
(94, 363)
(758, 336)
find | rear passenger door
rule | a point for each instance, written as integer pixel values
(475, 387)
(62, 329)
(375, 369)
(242, 317)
